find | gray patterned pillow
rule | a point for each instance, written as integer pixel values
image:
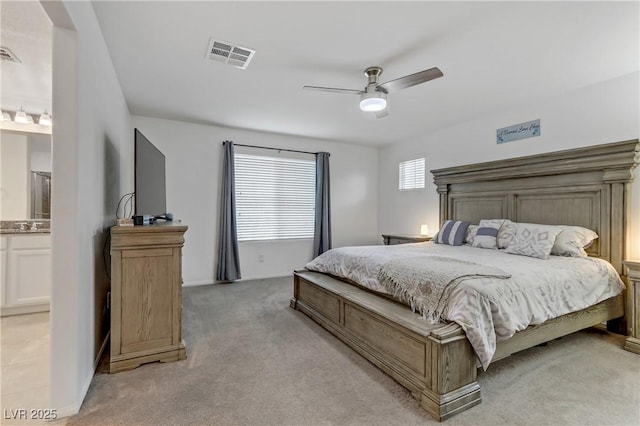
(506, 233)
(533, 241)
(487, 233)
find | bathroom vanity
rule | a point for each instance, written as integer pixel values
(25, 269)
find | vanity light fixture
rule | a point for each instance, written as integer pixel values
(21, 116)
(45, 119)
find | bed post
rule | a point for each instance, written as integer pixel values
(443, 190)
(453, 386)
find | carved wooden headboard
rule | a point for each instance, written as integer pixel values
(585, 187)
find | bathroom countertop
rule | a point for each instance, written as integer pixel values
(25, 232)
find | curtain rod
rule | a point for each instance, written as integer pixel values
(274, 149)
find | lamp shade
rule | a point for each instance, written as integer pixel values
(373, 101)
(21, 117)
(45, 119)
(424, 229)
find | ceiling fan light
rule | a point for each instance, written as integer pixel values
(21, 117)
(373, 102)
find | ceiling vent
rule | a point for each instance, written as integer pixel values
(7, 55)
(227, 53)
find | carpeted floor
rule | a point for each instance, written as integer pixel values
(254, 361)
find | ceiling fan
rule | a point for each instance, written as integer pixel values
(374, 96)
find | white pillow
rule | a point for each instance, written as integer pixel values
(533, 240)
(506, 233)
(487, 233)
(471, 233)
(571, 242)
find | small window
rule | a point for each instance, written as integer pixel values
(275, 198)
(411, 174)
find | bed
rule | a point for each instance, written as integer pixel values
(584, 187)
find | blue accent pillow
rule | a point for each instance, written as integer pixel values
(487, 235)
(452, 232)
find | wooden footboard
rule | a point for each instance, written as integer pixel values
(435, 362)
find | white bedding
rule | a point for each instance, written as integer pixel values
(490, 310)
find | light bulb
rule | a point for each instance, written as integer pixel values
(45, 119)
(21, 117)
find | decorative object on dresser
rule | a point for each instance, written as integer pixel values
(584, 187)
(146, 295)
(390, 239)
(633, 307)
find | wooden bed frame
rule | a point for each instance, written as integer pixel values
(585, 187)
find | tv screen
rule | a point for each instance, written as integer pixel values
(149, 178)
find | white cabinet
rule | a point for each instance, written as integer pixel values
(4, 243)
(26, 273)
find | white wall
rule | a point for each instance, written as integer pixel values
(40, 152)
(92, 166)
(193, 159)
(14, 176)
(605, 112)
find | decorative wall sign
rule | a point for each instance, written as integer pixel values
(518, 131)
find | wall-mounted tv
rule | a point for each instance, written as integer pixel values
(150, 183)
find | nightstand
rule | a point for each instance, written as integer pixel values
(633, 305)
(390, 240)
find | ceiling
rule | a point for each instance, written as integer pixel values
(26, 30)
(494, 56)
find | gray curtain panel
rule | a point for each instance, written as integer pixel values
(228, 258)
(322, 234)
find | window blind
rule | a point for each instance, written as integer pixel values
(412, 174)
(275, 197)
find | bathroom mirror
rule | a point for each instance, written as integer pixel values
(25, 175)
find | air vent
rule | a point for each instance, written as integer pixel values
(7, 55)
(227, 53)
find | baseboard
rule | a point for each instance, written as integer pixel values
(257, 277)
(264, 277)
(196, 283)
(74, 409)
(101, 351)
(26, 309)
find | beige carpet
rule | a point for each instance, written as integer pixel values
(254, 361)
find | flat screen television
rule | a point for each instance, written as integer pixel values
(150, 183)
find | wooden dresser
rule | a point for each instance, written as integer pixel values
(146, 295)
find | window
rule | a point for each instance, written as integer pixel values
(275, 197)
(412, 174)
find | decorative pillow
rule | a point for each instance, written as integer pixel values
(452, 233)
(533, 240)
(487, 233)
(506, 233)
(471, 233)
(572, 241)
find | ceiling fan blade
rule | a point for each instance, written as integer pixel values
(382, 114)
(410, 80)
(334, 90)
